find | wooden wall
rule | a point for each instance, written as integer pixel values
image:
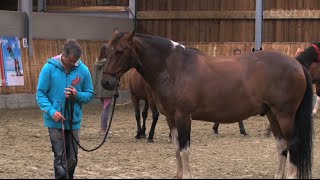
(77, 3)
(216, 29)
(239, 28)
(44, 49)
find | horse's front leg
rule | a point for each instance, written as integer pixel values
(175, 142)
(183, 124)
(215, 127)
(155, 116)
(144, 116)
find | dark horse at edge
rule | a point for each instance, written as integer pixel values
(188, 84)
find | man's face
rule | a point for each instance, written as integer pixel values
(69, 61)
(237, 53)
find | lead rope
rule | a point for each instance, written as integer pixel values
(64, 154)
(116, 95)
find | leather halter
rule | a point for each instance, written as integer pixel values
(317, 49)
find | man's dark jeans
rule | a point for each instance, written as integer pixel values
(58, 150)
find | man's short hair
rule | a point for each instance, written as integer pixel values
(72, 47)
(236, 50)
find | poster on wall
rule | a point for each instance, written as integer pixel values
(2, 82)
(13, 69)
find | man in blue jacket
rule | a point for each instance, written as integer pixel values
(62, 75)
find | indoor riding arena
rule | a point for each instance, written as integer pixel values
(33, 31)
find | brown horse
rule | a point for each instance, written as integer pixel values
(140, 90)
(187, 84)
(307, 59)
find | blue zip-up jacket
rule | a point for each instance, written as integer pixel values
(53, 80)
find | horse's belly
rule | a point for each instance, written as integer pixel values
(225, 116)
(212, 118)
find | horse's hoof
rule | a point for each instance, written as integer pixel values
(178, 175)
(215, 131)
(150, 140)
(143, 136)
(138, 137)
(245, 134)
(267, 135)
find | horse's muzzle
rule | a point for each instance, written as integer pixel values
(110, 83)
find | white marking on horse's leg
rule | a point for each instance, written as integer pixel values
(316, 106)
(176, 144)
(185, 154)
(292, 170)
(282, 146)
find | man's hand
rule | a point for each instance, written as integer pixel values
(70, 90)
(58, 117)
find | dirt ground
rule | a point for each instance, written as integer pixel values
(25, 150)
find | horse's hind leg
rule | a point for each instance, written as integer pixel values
(144, 117)
(155, 116)
(281, 145)
(292, 170)
(242, 130)
(287, 125)
(215, 128)
(135, 102)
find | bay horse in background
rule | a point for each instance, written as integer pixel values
(187, 84)
(140, 90)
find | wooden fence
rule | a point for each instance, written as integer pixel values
(229, 20)
(44, 49)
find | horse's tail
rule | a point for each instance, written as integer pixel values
(301, 150)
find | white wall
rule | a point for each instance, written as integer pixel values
(63, 26)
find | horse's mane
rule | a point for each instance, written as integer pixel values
(153, 38)
(144, 39)
(144, 36)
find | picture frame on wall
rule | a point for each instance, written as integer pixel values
(12, 61)
(2, 76)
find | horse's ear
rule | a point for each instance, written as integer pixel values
(113, 36)
(115, 31)
(130, 35)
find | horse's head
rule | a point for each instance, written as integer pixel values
(121, 58)
(316, 47)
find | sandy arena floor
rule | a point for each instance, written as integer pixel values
(25, 150)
